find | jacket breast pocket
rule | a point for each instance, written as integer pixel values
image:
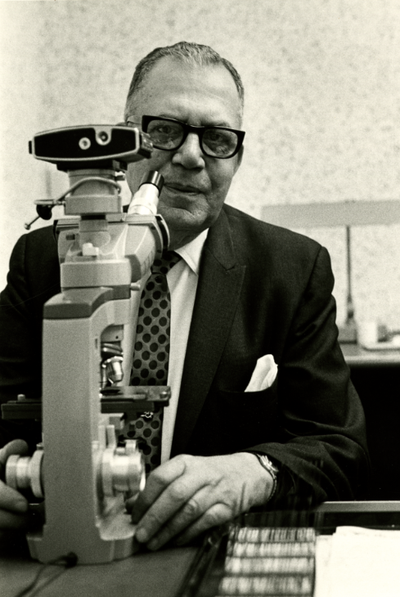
(233, 421)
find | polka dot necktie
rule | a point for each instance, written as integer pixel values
(151, 354)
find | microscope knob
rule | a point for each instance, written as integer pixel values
(123, 470)
(24, 472)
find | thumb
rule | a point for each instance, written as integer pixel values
(16, 446)
(10, 499)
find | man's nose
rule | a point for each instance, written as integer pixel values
(189, 154)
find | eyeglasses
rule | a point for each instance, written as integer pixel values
(169, 134)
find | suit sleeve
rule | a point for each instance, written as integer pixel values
(33, 278)
(323, 455)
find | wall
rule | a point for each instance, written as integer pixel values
(322, 106)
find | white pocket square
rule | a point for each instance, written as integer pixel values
(263, 375)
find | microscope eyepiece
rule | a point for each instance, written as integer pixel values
(153, 177)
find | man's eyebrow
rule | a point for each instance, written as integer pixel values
(222, 123)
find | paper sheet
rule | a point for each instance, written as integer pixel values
(358, 562)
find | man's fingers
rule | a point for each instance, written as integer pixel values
(12, 500)
(13, 506)
(159, 480)
(164, 515)
(8, 520)
(17, 446)
(216, 515)
(192, 510)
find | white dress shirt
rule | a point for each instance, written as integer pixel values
(182, 283)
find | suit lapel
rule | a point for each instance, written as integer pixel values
(217, 296)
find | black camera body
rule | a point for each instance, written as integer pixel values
(91, 146)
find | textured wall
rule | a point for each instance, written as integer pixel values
(322, 82)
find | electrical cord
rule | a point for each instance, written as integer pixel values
(68, 561)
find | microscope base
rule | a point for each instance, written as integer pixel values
(112, 539)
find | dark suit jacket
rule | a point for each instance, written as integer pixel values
(262, 290)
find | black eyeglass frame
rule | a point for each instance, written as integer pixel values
(198, 130)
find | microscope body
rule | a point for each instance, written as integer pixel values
(81, 471)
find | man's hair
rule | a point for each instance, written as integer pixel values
(191, 53)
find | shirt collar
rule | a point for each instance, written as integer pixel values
(191, 253)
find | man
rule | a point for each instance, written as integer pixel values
(243, 290)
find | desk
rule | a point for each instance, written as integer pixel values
(160, 574)
(376, 377)
(356, 356)
(157, 574)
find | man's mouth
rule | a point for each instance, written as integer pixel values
(183, 188)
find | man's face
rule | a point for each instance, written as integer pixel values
(195, 185)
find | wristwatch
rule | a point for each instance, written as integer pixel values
(272, 469)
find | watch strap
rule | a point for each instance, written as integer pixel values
(272, 469)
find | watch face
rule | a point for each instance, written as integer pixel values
(267, 464)
(273, 466)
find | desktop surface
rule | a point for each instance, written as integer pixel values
(144, 574)
(376, 375)
(191, 572)
(357, 356)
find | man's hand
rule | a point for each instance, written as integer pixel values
(189, 494)
(13, 506)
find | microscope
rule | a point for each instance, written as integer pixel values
(81, 470)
